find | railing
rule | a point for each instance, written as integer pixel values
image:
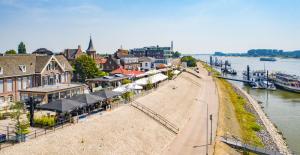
(188, 71)
(246, 147)
(12, 139)
(172, 127)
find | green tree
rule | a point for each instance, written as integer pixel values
(21, 48)
(21, 125)
(86, 68)
(176, 54)
(191, 61)
(10, 52)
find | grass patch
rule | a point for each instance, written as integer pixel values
(246, 120)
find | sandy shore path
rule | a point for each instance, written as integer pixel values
(124, 130)
(192, 139)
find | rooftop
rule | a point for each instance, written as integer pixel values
(52, 88)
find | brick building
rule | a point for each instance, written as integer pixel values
(20, 72)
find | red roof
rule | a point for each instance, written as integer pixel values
(126, 72)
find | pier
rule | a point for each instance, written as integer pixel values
(233, 79)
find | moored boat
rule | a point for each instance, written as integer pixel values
(287, 81)
(267, 59)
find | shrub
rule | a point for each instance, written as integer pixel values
(255, 127)
(45, 121)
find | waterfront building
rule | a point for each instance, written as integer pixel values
(100, 83)
(24, 72)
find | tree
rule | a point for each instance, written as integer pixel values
(21, 125)
(21, 48)
(176, 54)
(10, 52)
(86, 68)
(191, 61)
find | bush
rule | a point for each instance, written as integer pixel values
(170, 74)
(126, 96)
(255, 127)
(45, 121)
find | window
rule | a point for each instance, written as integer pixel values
(9, 85)
(146, 64)
(1, 70)
(10, 98)
(1, 100)
(22, 68)
(30, 81)
(24, 83)
(19, 82)
(62, 78)
(1, 86)
(67, 78)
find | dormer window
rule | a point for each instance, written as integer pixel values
(22, 68)
(1, 70)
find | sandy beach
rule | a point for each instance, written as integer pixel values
(124, 130)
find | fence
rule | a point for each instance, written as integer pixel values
(172, 127)
(12, 139)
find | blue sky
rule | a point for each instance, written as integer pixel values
(195, 26)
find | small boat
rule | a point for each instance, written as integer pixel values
(267, 85)
(267, 59)
(229, 71)
(287, 81)
(259, 80)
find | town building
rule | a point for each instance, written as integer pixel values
(43, 51)
(146, 63)
(111, 64)
(72, 54)
(130, 63)
(22, 72)
(120, 53)
(152, 51)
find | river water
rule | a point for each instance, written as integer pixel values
(282, 107)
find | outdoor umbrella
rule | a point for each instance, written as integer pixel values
(121, 89)
(62, 105)
(106, 94)
(133, 86)
(88, 99)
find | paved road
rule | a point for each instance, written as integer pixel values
(192, 138)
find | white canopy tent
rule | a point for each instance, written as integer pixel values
(128, 87)
(153, 79)
(176, 72)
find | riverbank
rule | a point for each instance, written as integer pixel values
(272, 132)
(241, 117)
(124, 130)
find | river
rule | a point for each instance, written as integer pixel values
(282, 107)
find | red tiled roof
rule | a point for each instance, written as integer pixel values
(126, 72)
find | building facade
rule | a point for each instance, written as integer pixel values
(152, 51)
(72, 54)
(19, 72)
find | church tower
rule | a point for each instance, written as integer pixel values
(91, 51)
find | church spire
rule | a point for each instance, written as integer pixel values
(91, 47)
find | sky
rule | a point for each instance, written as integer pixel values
(195, 26)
